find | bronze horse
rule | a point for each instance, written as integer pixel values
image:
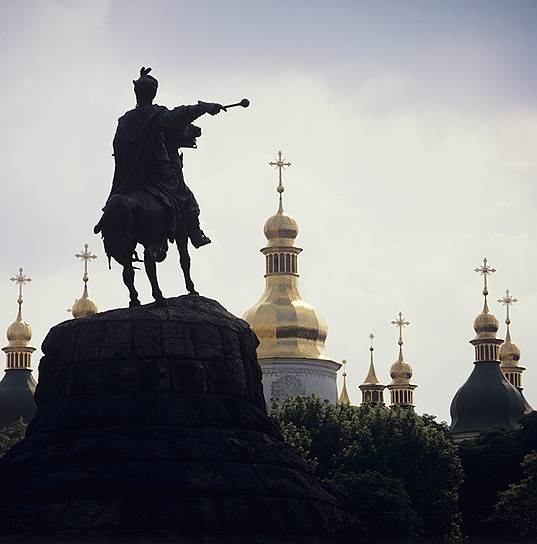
(136, 218)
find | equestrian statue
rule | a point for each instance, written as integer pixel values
(150, 203)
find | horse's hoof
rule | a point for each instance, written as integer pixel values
(134, 303)
(161, 302)
(193, 292)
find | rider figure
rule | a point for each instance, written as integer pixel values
(147, 157)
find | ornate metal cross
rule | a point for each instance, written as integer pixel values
(85, 256)
(371, 338)
(344, 363)
(401, 323)
(21, 279)
(507, 301)
(485, 270)
(280, 164)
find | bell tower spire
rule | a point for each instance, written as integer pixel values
(401, 390)
(485, 324)
(344, 395)
(372, 389)
(291, 332)
(19, 333)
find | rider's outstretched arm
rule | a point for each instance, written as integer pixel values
(183, 115)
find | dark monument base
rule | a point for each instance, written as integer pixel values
(151, 427)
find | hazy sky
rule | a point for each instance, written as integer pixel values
(411, 127)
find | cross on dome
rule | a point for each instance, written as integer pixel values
(280, 164)
(21, 279)
(507, 301)
(485, 270)
(401, 323)
(85, 256)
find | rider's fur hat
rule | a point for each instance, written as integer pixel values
(145, 82)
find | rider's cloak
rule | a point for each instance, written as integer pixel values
(146, 159)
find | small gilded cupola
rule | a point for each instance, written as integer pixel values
(372, 389)
(19, 333)
(401, 390)
(84, 306)
(510, 353)
(344, 395)
(485, 324)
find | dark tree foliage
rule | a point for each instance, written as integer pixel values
(401, 470)
(382, 503)
(516, 511)
(491, 463)
(11, 434)
(528, 433)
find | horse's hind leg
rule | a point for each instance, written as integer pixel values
(128, 280)
(184, 260)
(151, 271)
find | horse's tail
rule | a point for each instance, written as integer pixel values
(117, 227)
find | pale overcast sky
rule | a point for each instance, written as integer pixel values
(411, 127)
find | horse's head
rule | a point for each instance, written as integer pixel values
(188, 136)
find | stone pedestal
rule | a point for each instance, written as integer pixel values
(151, 427)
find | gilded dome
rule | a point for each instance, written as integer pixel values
(400, 371)
(19, 333)
(280, 229)
(286, 325)
(509, 354)
(486, 325)
(83, 307)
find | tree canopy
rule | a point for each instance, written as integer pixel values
(401, 470)
(493, 466)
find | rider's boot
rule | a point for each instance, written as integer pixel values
(196, 235)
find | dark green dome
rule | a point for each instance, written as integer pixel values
(486, 401)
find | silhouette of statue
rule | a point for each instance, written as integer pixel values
(150, 203)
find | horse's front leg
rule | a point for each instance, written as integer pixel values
(184, 260)
(151, 271)
(128, 280)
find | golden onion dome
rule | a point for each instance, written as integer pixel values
(280, 229)
(400, 371)
(286, 325)
(19, 333)
(509, 354)
(84, 306)
(486, 325)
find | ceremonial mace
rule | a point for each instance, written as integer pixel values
(244, 103)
